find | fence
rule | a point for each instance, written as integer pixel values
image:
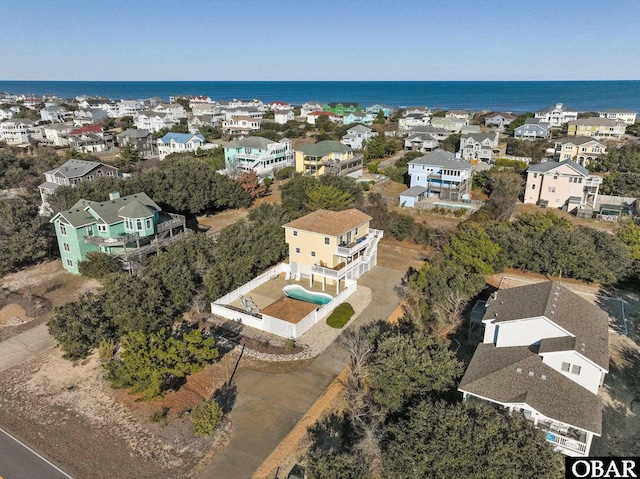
(253, 284)
(272, 324)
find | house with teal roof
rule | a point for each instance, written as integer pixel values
(129, 228)
(180, 143)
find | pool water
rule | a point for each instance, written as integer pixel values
(298, 292)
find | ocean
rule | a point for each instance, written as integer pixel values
(514, 96)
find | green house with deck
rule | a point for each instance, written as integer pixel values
(128, 227)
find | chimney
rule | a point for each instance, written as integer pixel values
(114, 195)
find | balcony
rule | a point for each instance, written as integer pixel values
(357, 246)
(337, 272)
(103, 241)
(174, 222)
(572, 446)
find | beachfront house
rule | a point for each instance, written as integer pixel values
(440, 174)
(331, 247)
(597, 128)
(71, 173)
(89, 116)
(127, 228)
(499, 120)
(386, 110)
(195, 122)
(328, 156)
(258, 154)
(341, 109)
(458, 114)
(563, 184)
(620, 114)
(310, 106)
(55, 134)
(279, 106)
(533, 129)
(558, 115)
(357, 136)
(543, 358)
(90, 139)
(580, 149)
(437, 133)
(55, 114)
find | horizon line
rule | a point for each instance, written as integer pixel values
(321, 81)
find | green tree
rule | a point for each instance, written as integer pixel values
(99, 265)
(408, 367)
(328, 197)
(629, 234)
(473, 441)
(152, 363)
(79, 326)
(473, 249)
(25, 237)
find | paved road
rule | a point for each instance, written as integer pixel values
(268, 406)
(18, 461)
(17, 349)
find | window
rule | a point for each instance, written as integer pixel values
(295, 233)
(66, 247)
(102, 228)
(70, 262)
(63, 229)
(533, 187)
(313, 254)
(576, 370)
(128, 223)
(552, 189)
(326, 241)
(148, 223)
(297, 250)
(565, 367)
(139, 224)
(535, 175)
(89, 230)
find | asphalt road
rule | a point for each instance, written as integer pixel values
(18, 461)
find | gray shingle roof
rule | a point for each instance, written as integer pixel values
(414, 191)
(493, 374)
(579, 140)
(75, 168)
(582, 319)
(359, 129)
(443, 159)
(324, 148)
(550, 165)
(133, 133)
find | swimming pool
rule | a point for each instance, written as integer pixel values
(296, 291)
(453, 207)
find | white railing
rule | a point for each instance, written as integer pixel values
(335, 273)
(565, 442)
(251, 285)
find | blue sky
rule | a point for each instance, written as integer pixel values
(319, 40)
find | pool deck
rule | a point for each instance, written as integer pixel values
(270, 299)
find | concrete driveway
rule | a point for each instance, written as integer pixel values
(268, 406)
(17, 349)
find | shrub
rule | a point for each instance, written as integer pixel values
(98, 265)
(340, 316)
(290, 344)
(106, 349)
(459, 212)
(284, 173)
(159, 416)
(206, 417)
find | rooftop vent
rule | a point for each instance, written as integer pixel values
(531, 373)
(114, 195)
(543, 377)
(518, 370)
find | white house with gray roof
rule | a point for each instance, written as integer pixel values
(357, 136)
(620, 114)
(557, 115)
(476, 147)
(258, 154)
(533, 129)
(544, 356)
(563, 184)
(441, 174)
